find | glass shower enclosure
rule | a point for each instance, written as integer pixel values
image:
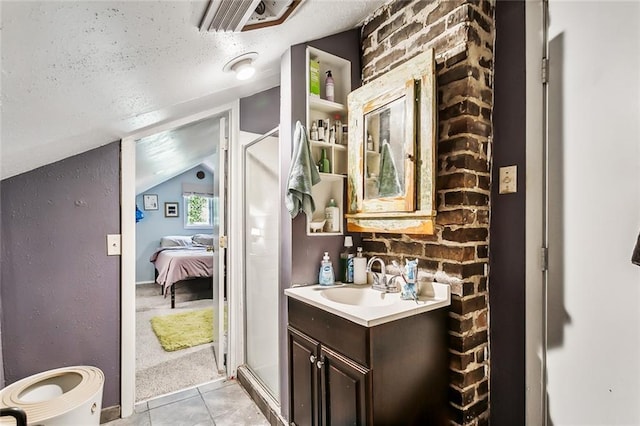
(261, 258)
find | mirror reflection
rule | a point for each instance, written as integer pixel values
(384, 150)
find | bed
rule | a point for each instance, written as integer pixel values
(181, 258)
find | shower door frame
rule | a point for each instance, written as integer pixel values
(242, 169)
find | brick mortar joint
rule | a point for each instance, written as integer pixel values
(472, 366)
(479, 117)
(474, 189)
(457, 171)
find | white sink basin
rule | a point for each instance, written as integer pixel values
(359, 296)
(368, 307)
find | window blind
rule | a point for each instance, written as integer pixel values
(200, 189)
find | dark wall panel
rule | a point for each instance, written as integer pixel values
(507, 232)
(60, 291)
(260, 113)
(307, 251)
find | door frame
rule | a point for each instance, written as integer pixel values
(535, 212)
(128, 253)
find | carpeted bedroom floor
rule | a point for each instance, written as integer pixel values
(159, 372)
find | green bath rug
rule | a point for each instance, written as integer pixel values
(184, 330)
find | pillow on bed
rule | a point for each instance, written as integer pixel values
(176, 241)
(203, 239)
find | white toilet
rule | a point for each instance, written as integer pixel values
(61, 397)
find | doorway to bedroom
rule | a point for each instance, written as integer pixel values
(180, 258)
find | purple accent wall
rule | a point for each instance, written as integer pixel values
(507, 230)
(2, 384)
(60, 291)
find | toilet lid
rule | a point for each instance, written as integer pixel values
(91, 382)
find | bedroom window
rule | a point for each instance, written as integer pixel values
(198, 211)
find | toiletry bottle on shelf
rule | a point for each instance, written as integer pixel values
(326, 277)
(313, 135)
(360, 268)
(346, 261)
(329, 87)
(332, 215)
(369, 143)
(321, 130)
(338, 126)
(332, 135)
(324, 165)
(345, 134)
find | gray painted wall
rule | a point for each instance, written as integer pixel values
(154, 225)
(60, 291)
(260, 113)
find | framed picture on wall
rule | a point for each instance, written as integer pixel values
(170, 209)
(150, 201)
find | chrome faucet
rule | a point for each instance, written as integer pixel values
(380, 280)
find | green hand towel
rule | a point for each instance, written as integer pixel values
(303, 174)
(388, 183)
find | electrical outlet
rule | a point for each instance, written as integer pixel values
(113, 245)
(508, 180)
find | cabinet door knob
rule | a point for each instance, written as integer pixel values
(320, 364)
(312, 359)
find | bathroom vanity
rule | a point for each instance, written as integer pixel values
(362, 357)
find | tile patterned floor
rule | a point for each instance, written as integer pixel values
(218, 404)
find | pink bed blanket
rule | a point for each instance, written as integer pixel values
(180, 263)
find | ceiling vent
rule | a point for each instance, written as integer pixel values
(245, 15)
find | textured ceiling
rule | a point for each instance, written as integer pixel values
(80, 74)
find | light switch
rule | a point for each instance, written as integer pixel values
(508, 179)
(113, 245)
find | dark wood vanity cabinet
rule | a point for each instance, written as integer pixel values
(343, 373)
(330, 389)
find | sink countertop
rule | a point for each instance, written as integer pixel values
(439, 296)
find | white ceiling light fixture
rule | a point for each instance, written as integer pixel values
(242, 65)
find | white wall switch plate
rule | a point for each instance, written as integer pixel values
(508, 179)
(113, 245)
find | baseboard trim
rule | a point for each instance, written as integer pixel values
(269, 406)
(109, 414)
(145, 282)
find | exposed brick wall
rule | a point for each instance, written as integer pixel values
(462, 35)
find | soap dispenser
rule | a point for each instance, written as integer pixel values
(360, 268)
(326, 276)
(346, 261)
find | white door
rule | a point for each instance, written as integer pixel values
(592, 313)
(220, 252)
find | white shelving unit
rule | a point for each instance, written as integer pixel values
(331, 186)
(319, 108)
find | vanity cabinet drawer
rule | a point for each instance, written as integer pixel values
(333, 331)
